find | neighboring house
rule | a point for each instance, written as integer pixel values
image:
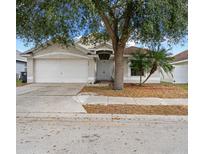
(180, 72)
(78, 64)
(21, 63)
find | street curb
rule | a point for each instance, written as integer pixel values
(77, 117)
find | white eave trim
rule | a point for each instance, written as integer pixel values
(127, 56)
(26, 55)
(99, 49)
(60, 53)
(181, 61)
(112, 55)
(21, 60)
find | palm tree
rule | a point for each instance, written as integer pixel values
(161, 59)
(140, 63)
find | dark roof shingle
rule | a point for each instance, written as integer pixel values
(181, 56)
(133, 49)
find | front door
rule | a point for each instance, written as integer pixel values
(104, 70)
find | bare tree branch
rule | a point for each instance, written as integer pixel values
(105, 20)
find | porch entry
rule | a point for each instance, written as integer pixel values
(105, 70)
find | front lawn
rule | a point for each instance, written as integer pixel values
(20, 83)
(147, 90)
(138, 109)
(184, 86)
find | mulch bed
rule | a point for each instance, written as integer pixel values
(138, 109)
(147, 90)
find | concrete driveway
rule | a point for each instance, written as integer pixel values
(55, 89)
(48, 98)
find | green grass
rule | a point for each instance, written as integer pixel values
(19, 83)
(166, 83)
(184, 86)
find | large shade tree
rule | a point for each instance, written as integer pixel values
(144, 21)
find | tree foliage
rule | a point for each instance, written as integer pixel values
(145, 21)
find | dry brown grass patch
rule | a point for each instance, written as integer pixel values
(138, 109)
(147, 90)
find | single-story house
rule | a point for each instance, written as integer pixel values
(78, 64)
(21, 63)
(180, 72)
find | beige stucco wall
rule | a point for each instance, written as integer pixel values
(166, 77)
(126, 65)
(30, 70)
(180, 73)
(91, 70)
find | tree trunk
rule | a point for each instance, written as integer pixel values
(147, 77)
(140, 80)
(119, 68)
(154, 68)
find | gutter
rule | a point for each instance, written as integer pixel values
(181, 61)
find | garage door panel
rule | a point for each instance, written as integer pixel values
(181, 74)
(61, 71)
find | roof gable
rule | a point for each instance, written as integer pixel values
(56, 48)
(80, 49)
(103, 45)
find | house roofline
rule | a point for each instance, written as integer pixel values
(181, 61)
(21, 60)
(179, 52)
(45, 45)
(61, 53)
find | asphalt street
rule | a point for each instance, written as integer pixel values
(60, 136)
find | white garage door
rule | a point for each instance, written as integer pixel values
(180, 74)
(61, 71)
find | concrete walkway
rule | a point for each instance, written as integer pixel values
(105, 100)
